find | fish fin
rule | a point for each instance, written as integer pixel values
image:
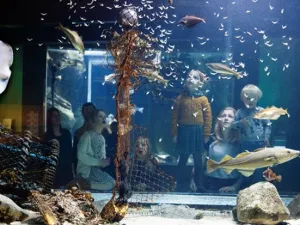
(227, 171)
(242, 154)
(279, 178)
(226, 158)
(269, 159)
(246, 173)
(211, 165)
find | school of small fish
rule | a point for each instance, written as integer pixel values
(159, 20)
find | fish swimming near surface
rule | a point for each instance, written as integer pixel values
(271, 113)
(223, 69)
(190, 21)
(270, 176)
(73, 37)
(247, 162)
(10, 211)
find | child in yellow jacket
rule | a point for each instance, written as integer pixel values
(191, 126)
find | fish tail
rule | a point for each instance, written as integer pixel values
(279, 178)
(211, 165)
(239, 75)
(286, 111)
(60, 26)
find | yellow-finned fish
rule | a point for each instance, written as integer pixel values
(271, 113)
(73, 37)
(223, 70)
(247, 162)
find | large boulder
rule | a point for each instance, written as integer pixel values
(261, 204)
(294, 207)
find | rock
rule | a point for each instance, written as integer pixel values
(261, 204)
(294, 207)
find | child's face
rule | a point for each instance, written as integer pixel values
(100, 119)
(193, 81)
(141, 148)
(227, 117)
(250, 100)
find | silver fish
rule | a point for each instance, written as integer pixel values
(223, 69)
(73, 37)
(12, 212)
(191, 21)
(247, 162)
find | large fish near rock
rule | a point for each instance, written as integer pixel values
(10, 211)
(223, 69)
(247, 162)
(190, 21)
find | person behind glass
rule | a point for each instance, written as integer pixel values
(254, 133)
(63, 136)
(144, 172)
(191, 127)
(226, 143)
(86, 111)
(91, 155)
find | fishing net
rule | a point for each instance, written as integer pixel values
(26, 163)
(146, 179)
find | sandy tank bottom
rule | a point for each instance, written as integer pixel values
(209, 218)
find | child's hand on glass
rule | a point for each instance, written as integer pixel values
(229, 189)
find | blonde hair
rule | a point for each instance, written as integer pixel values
(251, 89)
(234, 135)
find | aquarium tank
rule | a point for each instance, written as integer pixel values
(169, 108)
